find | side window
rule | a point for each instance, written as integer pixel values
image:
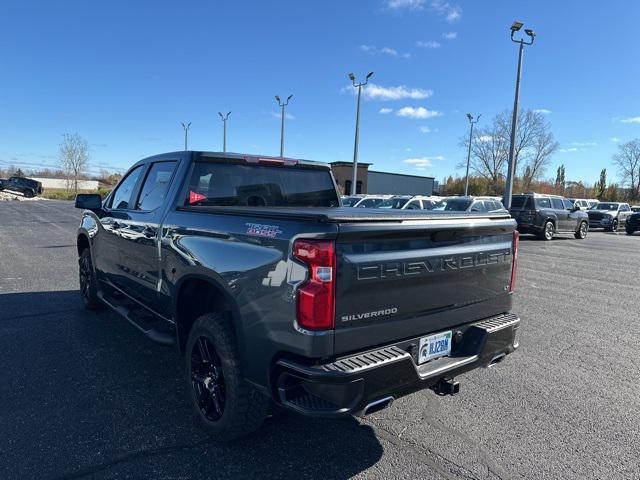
(568, 205)
(624, 208)
(155, 186)
(414, 205)
(543, 203)
(557, 204)
(122, 195)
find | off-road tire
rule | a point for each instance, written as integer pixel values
(88, 282)
(245, 408)
(582, 231)
(29, 194)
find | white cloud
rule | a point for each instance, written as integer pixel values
(451, 13)
(583, 144)
(287, 115)
(417, 112)
(378, 92)
(614, 139)
(385, 110)
(450, 35)
(485, 138)
(571, 149)
(428, 44)
(406, 4)
(392, 52)
(544, 111)
(425, 129)
(421, 163)
(630, 120)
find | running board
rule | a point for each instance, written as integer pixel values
(138, 321)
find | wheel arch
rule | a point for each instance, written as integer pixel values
(197, 294)
(82, 242)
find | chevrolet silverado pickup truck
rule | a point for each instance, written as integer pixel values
(275, 294)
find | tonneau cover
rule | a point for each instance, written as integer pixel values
(344, 214)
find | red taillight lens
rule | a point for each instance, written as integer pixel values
(514, 261)
(316, 297)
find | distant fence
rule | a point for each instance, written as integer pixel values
(64, 183)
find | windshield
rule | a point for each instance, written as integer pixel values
(453, 205)
(350, 201)
(606, 206)
(397, 202)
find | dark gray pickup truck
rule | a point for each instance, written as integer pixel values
(276, 294)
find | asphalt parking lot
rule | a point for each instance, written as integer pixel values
(84, 395)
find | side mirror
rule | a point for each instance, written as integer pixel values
(88, 201)
(575, 208)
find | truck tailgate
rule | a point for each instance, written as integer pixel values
(398, 280)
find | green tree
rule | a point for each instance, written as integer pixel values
(601, 186)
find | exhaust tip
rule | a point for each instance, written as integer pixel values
(377, 405)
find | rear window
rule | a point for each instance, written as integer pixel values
(241, 185)
(521, 202)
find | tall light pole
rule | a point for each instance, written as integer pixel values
(186, 133)
(359, 86)
(514, 120)
(224, 130)
(282, 104)
(472, 122)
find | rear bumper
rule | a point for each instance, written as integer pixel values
(349, 384)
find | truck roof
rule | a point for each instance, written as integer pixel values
(248, 157)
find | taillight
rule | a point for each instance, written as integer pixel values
(514, 260)
(316, 296)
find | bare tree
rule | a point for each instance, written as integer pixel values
(73, 157)
(534, 147)
(628, 162)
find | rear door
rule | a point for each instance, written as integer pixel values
(397, 281)
(561, 213)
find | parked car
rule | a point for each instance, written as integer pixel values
(593, 202)
(635, 208)
(408, 202)
(26, 186)
(371, 201)
(350, 200)
(546, 215)
(239, 265)
(633, 223)
(470, 204)
(609, 215)
(583, 203)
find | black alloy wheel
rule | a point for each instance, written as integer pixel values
(207, 379)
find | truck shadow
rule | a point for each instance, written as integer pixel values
(98, 398)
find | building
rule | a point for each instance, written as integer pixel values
(372, 182)
(63, 183)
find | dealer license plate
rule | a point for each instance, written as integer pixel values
(434, 346)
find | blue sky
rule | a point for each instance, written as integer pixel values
(125, 74)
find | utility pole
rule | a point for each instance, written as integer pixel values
(224, 130)
(282, 104)
(186, 133)
(359, 86)
(508, 192)
(472, 123)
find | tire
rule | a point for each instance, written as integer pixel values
(29, 194)
(548, 230)
(226, 405)
(88, 282)
(630, 231)
(614, 225)
(583, 229)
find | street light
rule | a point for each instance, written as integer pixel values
(472, 123)
(359, 86)
(224, 130)
(514, 121)
(282, 104)
(186, 133)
